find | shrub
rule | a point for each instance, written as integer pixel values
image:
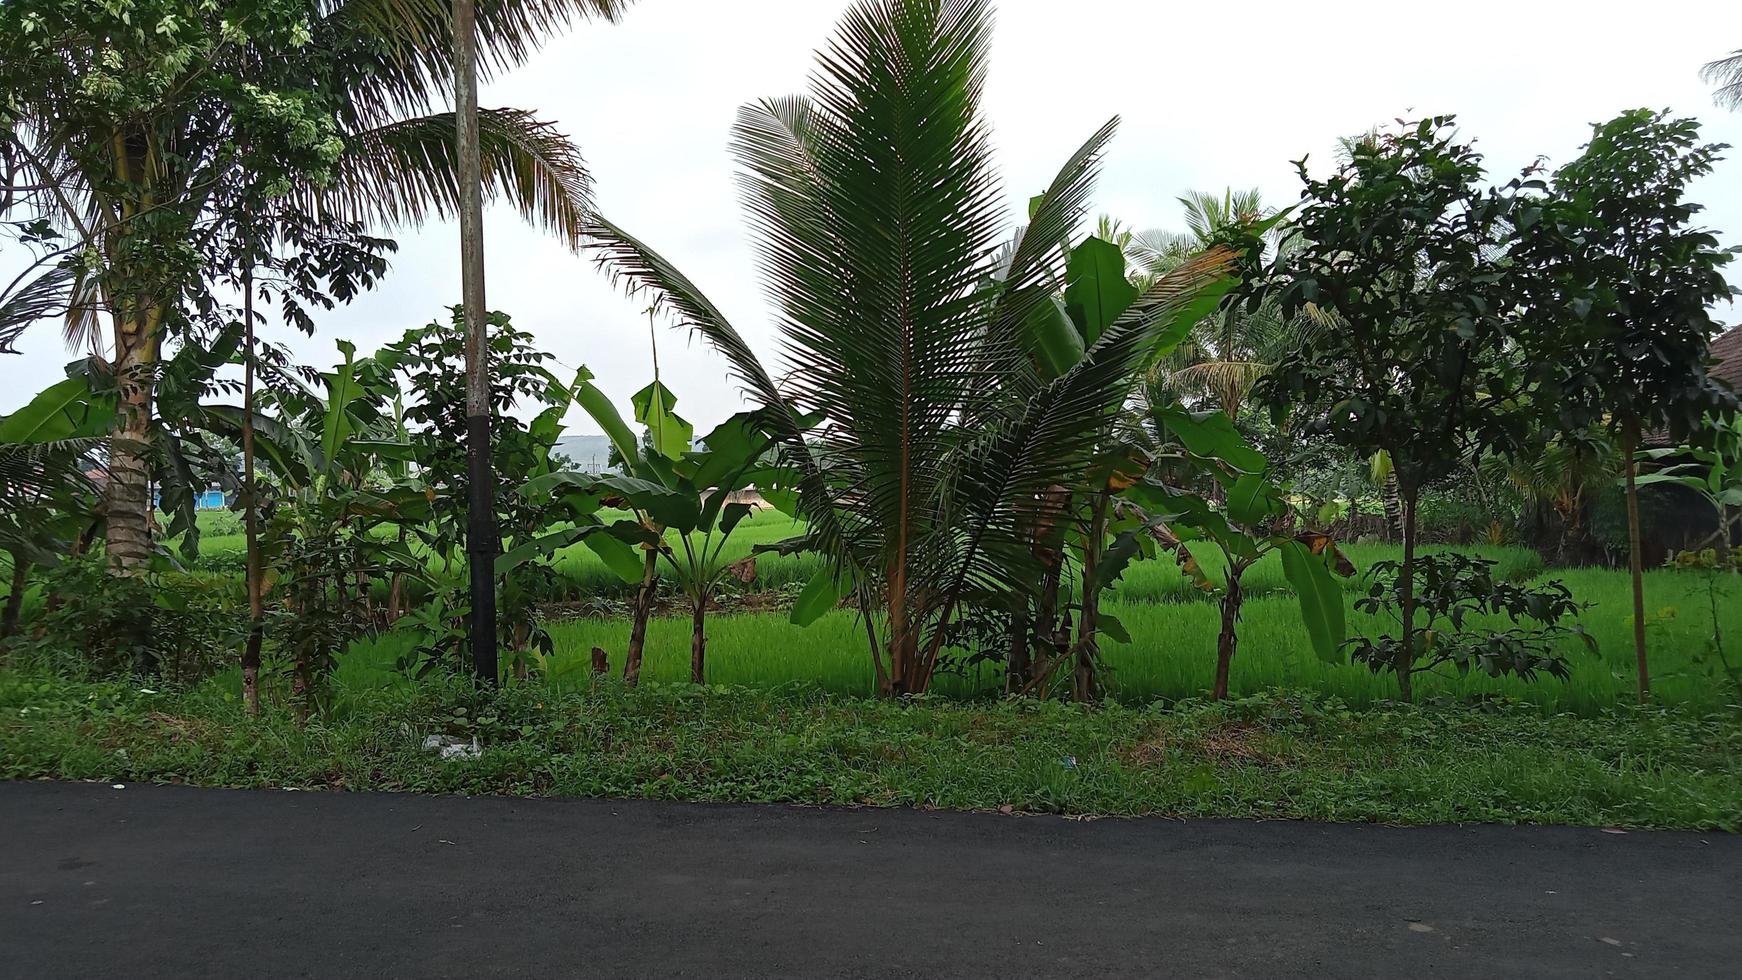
(167, 624)
(1453, 592)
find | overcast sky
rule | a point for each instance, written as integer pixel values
(1211, 95)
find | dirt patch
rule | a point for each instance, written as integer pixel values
(1230, 744)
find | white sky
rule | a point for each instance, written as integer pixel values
(1211, 95)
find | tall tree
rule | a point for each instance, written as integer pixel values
(1613, 264)
(481, 538)
(916, 432)
(133, 112)
(1400, 245)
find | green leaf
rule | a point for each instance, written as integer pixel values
(1112, 627)
(1126, 546)
(64, 410)
(604, 414)
(821, 594)
(733, 513)
(669, 434)
(1096, 290)
(728, 454)
(663, 505)
(621, 557)
(1253, 499)
(342, 390)
(539, 547)
(1211, 435)
(1321, 599)
(1054, 339)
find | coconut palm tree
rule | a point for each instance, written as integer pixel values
(132, 181)
(921, 438)
(1726, 74)
(1229, 351)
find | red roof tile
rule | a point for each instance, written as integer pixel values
(1727, 352)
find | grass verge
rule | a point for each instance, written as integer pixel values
(1268, 756)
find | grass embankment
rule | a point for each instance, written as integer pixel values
(1267, 757)
(1172, 624)
(1172, 653)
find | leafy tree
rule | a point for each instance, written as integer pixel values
(1615, 272)
(134, 112)
(1454, 591)
(878, 215)
(1401, 246)
(431, 362)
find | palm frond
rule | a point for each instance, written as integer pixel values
(1156, 251)
(1035, 269)
(1008, 470)
(1207, 214)
(36, 473)
(881, 292)
(640, 270)
(399, 53)
(42, 298)
(1726, 74)
(404, 172)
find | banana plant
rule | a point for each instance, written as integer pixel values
(1245, 529)
(48, 503)
(1103, 535)
(1713, 471)
(668, 484)
(329, 452)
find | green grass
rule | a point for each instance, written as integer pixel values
(1173, 653)
(1267, 757)
(1174, 632)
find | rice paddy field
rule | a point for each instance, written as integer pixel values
(1173, 628)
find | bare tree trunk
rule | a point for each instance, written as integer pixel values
(642, 611)
(698, 641)
(302, 673)
(1018, 667)
(481, 543)
(15, 598)
(1406, 582)
(250, 510)
(395, 588)
(1228, 642)
(601, 662)
(1635, 561)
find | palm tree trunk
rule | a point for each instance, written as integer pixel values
(1630, 440)
(127, 497)
(642, 611)
(480, 480)
(250, 514)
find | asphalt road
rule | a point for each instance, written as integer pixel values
(147, 882)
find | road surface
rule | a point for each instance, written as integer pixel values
(172, 882)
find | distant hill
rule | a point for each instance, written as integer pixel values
(585, 452)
